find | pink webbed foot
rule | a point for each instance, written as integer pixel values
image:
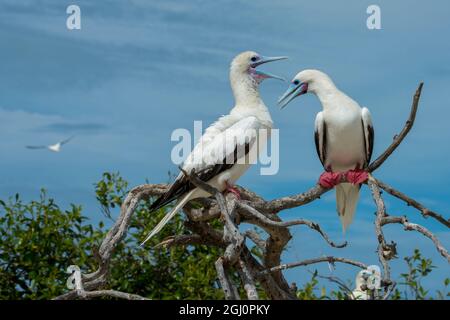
(233, 190)
(357, 176)
(330, 179)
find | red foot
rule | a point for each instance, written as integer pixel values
(356, 176)
(233, 190)
(330, 179)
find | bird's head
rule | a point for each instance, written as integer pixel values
(361, 279)
(243, 68)
(305, 81)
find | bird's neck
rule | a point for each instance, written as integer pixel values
(248, 101)
(245, 91)
(326, 92)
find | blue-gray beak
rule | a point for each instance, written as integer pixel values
(264, 60)
(264, 75)
(294, 90)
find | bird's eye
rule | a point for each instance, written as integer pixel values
(296, 82)
(254, 58)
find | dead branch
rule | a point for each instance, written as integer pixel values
(252, 235)
(329, 259)
(385, 251)
(263, 221)
(399, 138)
(411, 202)
(112, 294)
(340, 283)
(183, 240)
(98, 278)
(248, 280)
(421, 229)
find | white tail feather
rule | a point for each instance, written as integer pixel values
(180, 204)
(347, 196)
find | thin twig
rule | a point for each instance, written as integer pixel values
(112, 294)
(312, 225)
(411, 202)
(185, 239)
(417, 227)
(399, 138)
(339, 282)
(329, 259)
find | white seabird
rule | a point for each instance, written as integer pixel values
(222, 154)
(367, 281)
(360, 292)
(344, 138)
(53, 147)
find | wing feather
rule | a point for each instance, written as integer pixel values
(218, 150)
(67, 140)
(369, 136)
(320, 135)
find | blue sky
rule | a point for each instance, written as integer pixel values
(138, 70)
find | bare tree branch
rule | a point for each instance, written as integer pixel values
(399, 138)
(247, 280)
(329, 259)
(252, 235)
(107, 293)
(411, 202)
(417, 227)
(385, 251)
(264, 221)
(340, 283)
(189, 239)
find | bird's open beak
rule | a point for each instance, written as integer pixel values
(292, 92)
(265, 75)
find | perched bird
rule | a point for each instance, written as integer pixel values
(367, 283)
(222, 154)
(344, 138)
(53, 147)
(360, 292)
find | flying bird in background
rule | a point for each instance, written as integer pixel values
(221, 155)
(53, 147)
(344, 138)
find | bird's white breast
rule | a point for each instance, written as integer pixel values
(344, 137)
